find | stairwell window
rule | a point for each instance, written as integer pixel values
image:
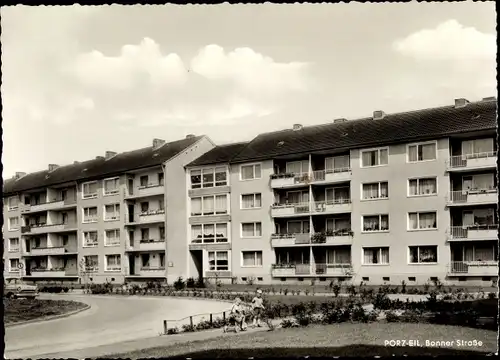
(89, 190)
(251, 258)
(14, 223)
(423, 254)
(90, 239)
(422, 152)
(90, 215)
(422, 186)
(251, 230)
(218, 260)
(422, 220)
(374, 223)
(112, 212)
(376, 256)
(250, 172)
(251, 201)
(374, 157)
(209, 233)
(113, 262)
(376, 190)
(111, 186)
(13, 203)
(112, 237)
(209, 205)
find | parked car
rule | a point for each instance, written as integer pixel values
(17, 288)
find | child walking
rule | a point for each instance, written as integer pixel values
(258, 308)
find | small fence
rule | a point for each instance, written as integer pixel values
(197, 322)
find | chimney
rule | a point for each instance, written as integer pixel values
(336, 121)
(109, 155)
(490, 98)
(19, 175)
(460, 103)
(190, 136)
(157, 143)
(297, 127)
(52, 167)
(378, 115)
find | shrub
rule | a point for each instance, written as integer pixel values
(351, 290)
(188, 328)
(303, 319)
(391, 316)
(179, 284)
(411, 316)
(286, 323)
(190, 283)
(492, 295)
(200, 283)
(358, 314)
(403, 287)
(336, 289)
(172, 331)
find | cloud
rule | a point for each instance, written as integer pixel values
(448, 41)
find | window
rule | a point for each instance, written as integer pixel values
(376, 255)
(13, 223)
(90, 239)
(65, 239)
(161, 260)
(144, 207)
(423, 254)
(250, 172)
(337, 163)
(13, 203)
(478, 146)
(89, 190)
(375, 223)
(297, 197)
(112, 212)
(251, 201)
(478, 217)
(422, 152)
(90, 214)
(13, 244)
(111, 186)
(144, 234)
(376, 190)
(218, 260)
(297, 167)
(338, 255)
(298, 227)
(14, 265)
(422, 220)
(209, 233)
(338, 224)
(195, 179)
(112, 237)
(375, 157)
(251, 258)
(161, 230)
(253, 229)
(161, 179)
(422, 186)
(113, 262)
(145, 260)
(144, 181)
(479, 182)
(480, 253)
(209, 205)
(210, 177)
(338, 195)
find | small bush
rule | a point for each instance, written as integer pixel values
(391, 316)
(179, 284)
(286, 323)
(336, 290)
(172, 331)
(190, 283)
(188, 328)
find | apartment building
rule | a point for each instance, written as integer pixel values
(395, 197)
(102, 220)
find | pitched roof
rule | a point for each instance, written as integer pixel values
(99, 167)
(219, 154)
(393, 128)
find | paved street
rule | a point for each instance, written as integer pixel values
(110, 320)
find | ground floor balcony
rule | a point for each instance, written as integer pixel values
(218, 274)
(472, 268)
(150, 272)
(473, 232)
(148, 245)
(310, 269)
(55, 272)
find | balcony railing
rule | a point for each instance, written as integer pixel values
(284, 270)
(210, 239)
(149, 216)
(150, 189)
(53, 204)
(474, 268)
(290, 179)
(331, 175)
(53, 272)
(148, 245)
(332, 206)
(474, 232)
(53, 250)
(290, 209)
(477, 160)
(473, 196)
(46, 228)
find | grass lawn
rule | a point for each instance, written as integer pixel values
(16, 310)
(328, 340)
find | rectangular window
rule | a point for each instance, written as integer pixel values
(14, 265)
(161, 179)
(376, 190)
(207, 178)
(376, 157)
(144, 207)
(145, 260)
(479, 182)
(337, 163)
(13, 203)
(339, 195)
(338, 224)
(422, 186)
(209, 233)
(162, 232)
(250, 230)
(112, 212)
(195, 179)
(338, 255)
(297, 197)
(144, 234)
(251, 201)
(91, 262)
(422, 220)
(250, 172)
(90, 214)
(89, 190)
(218, 260)
(113, 262)
(478, 217)
(297, 167)
(220, 176)
(376, 255)
(111, 186)
(13, 223)
(112, 237)
(161, 204)
(478, 146)
(13, 244)
(162, 261)
(298, 227)
(422, 152)
(90, 239)
(423, 254)
(209, 205)
(144, 181)
(210, 177)
(375, 223)
(252, 258)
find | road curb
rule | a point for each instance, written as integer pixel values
(52, 317)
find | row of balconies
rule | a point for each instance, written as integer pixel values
(44, 228)
(53, 272)
(56, 204)
(317, 207)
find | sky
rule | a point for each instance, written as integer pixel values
(78, 81)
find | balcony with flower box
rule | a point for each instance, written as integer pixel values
(151, 245)
(146, 217)
(473, 268)
(284, 270)
(336, 206)
(473, 232)
(54, 204)
(474, 161)
(289, 210)
(289, 180)
(335, 237)
(473, 197)
(290, 239)
(54, 272)
(152, 271)
(331, 176)
(151, 189)
(43, 228)
(339, 270)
